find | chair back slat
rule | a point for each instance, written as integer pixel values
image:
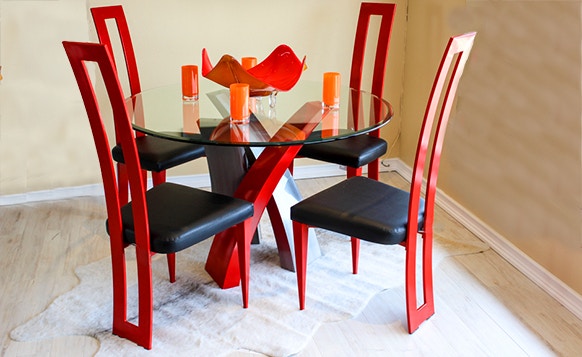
(367, 10)
(78, 54)
(100, 17)
(448, 74)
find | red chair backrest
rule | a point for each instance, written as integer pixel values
(78, 54)
(386, 13)
(100, 17)
(449, 73)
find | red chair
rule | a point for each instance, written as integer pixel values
(156, 154)
(358, 151)
(165, 219)
(379, 213)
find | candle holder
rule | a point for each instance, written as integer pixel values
(190, 82)
(239, 103)
(331, 89)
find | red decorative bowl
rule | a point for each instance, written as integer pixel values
(279, 72)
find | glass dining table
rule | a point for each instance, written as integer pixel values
(251, 161)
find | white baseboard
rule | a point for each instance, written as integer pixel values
(299, 172)
(538, 274)
(556, 288)
(201, 180)
(52, 195)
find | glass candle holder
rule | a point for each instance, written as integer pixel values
(331, 89)
(190, 82)
(239, 103)
(330, 124)
(239, 133)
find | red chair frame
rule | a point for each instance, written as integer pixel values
(78, 53)
(140, 333)
(387, 13)
(453, 63)
(449, 73)
(100, 16)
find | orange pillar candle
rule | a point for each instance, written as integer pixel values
(239, 103)
(248, 62)
(190, 82)
(331, 89)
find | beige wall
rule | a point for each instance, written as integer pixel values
(46, 142)
(43, 141)
(513, 152)
(512, 155)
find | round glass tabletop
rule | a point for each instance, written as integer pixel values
(281, 119)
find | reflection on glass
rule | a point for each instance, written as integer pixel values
(191, 117)
(330, 124)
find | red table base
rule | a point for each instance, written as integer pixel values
(257, 186)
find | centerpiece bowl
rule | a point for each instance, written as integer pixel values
(279, 72)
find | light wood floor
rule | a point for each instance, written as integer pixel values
(485, 307)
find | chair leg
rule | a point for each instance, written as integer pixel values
(351, 172)
(144, 175)
(355, 254)
(374, 170)
(122, 184)
(119, 289)
(244, 238)
(158, 178)
(171, 257)
(141, 333)
(416, 314)
(300, 234)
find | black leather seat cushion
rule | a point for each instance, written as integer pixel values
(359, 207)
(181, 216)
(158, 154)
(354, 151)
